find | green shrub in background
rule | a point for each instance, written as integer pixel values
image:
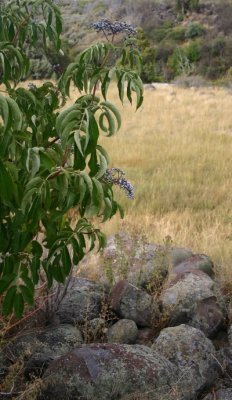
(179, 62)
(50, 157)
(183, 6)
(194, 30)
(148, 72)
(177, 34)
(192, 51)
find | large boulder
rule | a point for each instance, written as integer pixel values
(222, 394)
(130, 302)
(199, 262)
(37, 350)
(131, 257)
(82, 302)
(123, 331)
(193, 354)
(190, 298)
(108, 372)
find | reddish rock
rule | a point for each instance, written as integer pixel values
(132, 303)
(107, 372)
(190, 298)
(199, 262)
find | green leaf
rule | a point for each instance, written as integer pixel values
(107, 210)
(4, 109)
(8, 301)
(92, 129)
(102, 167)
(7, 186)
(114, 110)
(36, 248)
(6, 281)
(110, 127)
(66, 260)
(35, 268)
(28, 295)
(15, 113)
(78, 142)
(18, 304)
(87, 180)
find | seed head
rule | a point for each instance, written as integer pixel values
(113, 28)
(117, 177)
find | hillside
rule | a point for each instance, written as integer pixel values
(197, 41)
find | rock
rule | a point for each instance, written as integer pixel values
(123, 331)
(190, 299)
(132, 303)
(198, 261)
(82, 302)
(22, 347)
(4, 364)
(107, 372)
(145, 336)
(38, 350)
(132, 258)
(61, 338)
(207, 316)
(193, 354)
(222, 394)
(230, 336)
(179, 255)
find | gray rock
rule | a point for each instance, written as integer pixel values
(82, 302)
(230, 336)
(193, 354)
(190, 299)
(61, 338)
(22, 347)
(222, 394)
(198, 261)
(39, 349)
(132, 258)
(123, 331)
(4, 364)
(107, 372)
(133, 303)
(179, 255)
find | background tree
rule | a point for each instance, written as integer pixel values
(184, 6)
(50, 157)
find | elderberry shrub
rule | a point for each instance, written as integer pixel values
(113, 28)
(117, 177)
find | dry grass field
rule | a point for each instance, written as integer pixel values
(177, 152)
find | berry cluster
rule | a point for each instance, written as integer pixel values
(57, 68)
(31, 86)
(116, 176)
(113, 28)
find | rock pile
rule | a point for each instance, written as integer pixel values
(131, 342)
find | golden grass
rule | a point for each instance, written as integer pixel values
(177, 151)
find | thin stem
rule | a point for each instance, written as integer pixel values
(52, 142)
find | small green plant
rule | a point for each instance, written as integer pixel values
(180, 63)
(194, 30)
(50, 157)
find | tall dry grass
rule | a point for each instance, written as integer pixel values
(177, 152)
